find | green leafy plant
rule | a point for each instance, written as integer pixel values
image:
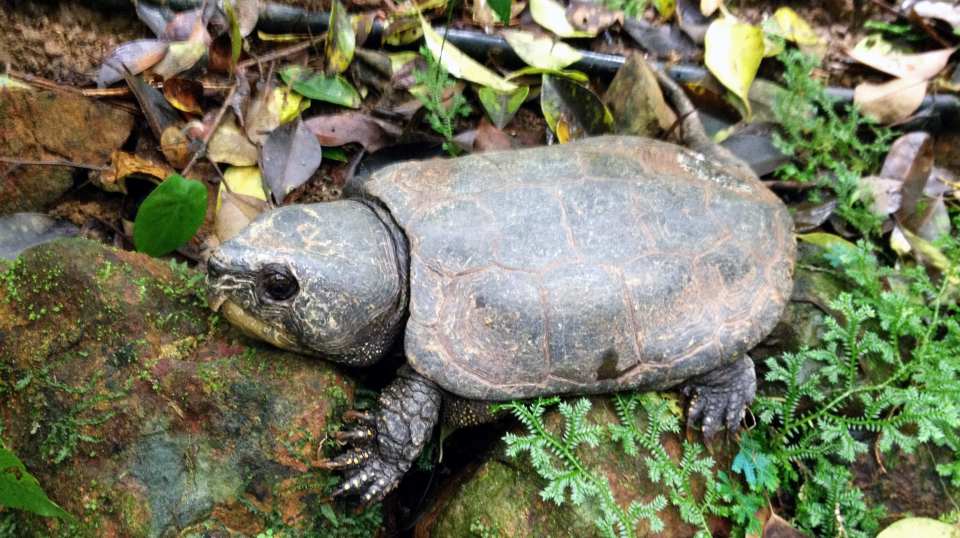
(443, 105)
(830, 148)
(887, 372)
(555, 458)
(170, 215)
(20, 490)
(678, 477)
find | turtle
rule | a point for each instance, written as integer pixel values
(606, 264)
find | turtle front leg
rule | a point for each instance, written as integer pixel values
(720, 397)
(386, 442)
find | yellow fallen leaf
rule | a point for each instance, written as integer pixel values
(794, 28)
(733, 51)
(235, 213)
(245, 180)
(541, 51)
(891, 101)
(459, 64)
(919, 527)
(229, 145)
(553, 16)
(180, 56)
(826, 240)
(708, 7)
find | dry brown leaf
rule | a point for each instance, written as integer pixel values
(910, 160)
(922, 66)
(592, 17)
(184, 94)
(636, 101)
(885, 192)
(123, 164)
(347, 127)
(175, 146)
(229, 145)
(134, 56)
(236, 211)
(892, 101)
(489, 138)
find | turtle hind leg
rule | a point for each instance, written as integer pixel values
(385, 442)
(720, 397)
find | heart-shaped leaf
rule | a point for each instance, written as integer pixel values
(170, 215)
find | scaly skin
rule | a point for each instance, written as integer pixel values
(721, 397)
(387, 442)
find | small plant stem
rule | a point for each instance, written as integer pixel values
(52, 162)
(213, 129)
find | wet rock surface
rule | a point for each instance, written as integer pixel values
(52, 126)
(142, 414)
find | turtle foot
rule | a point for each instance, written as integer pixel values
(720, 398)
(384, 444)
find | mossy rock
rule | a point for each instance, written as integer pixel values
(142, 414)
(501, 497)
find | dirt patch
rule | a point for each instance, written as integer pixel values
(62, 41)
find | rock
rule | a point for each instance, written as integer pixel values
(143, 414)
(44, 125)
(21, 231)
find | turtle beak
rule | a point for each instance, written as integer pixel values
(216, 300)
(215, 270)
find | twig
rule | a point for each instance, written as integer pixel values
(213, 129)
(52, 162)
(280, 53)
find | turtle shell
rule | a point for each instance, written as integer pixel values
(606, 264)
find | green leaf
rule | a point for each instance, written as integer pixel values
(19, 489)
(572, 111)
(500, 106)
(236, 38)
(328, 513)
(332, 89)
(335, 154)
(170, 215)
(502, 9)
(341, 40)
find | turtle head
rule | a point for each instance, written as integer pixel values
(323, 279)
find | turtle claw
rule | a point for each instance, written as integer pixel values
(720, 398)
(385, 443)
(357, 435)
(348, 460)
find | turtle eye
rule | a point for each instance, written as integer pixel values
(277, 283)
